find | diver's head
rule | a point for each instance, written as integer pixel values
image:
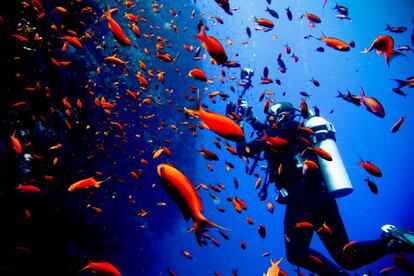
(282, 112)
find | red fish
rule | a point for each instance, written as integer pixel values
(397, 125)
(102, 268)
(383, 44)
(370, 168)
(116, 29)
(312, 17)
(185, 195)
(86, 183)
(335, 43)
(222, 125)
(264, 22)
(28, 188)
(213, 46)
(17, 146)
(273, 141)
(372, 104)
(320, 152)
(198, 74)
(303, 224)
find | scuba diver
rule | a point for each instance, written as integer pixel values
(305, 165)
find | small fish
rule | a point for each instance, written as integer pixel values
(264, 22)
(397, 125)
(372, 186)
(265, 72)
(372, 104)
(311, 17)
(262, 231)
(341, 9)
(225, 5)
(370, 168)
(198, 74)
(303, 224)
(272, 12)
(281, 62)
(102, 268)
(249, 32)
(320, 49)
(315, 82)
(289, 14)
(395, 29)
(86, 183)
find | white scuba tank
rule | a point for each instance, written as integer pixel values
(334, 173)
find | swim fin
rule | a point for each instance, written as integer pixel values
(400, 240)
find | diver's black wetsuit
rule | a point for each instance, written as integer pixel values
(308, 201)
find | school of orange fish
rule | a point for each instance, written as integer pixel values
(126, 30)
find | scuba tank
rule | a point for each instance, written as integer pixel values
(334, 173)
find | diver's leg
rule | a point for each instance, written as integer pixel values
(332, 232)
(298, 239)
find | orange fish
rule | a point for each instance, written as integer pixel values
(73, 40)
(198, 74)
(264, 22)
(320, 152)
(86, 183)
(273, 141)
(102, 268)
(17, 146)
(217, 123)
(335, 43)
(186, 197)
(213, 46)
(383, 44)
(370, 168)
(116, 29)
(28, 188)
(372, 104)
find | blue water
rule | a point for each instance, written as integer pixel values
(149, 245)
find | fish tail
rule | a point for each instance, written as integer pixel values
(202, 34)
(401, 83)
(86, 266)
(391, 54)
(98, 183)
(201, 225)
(387, 26)
(107, 14)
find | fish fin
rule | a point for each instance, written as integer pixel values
(391, 54)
